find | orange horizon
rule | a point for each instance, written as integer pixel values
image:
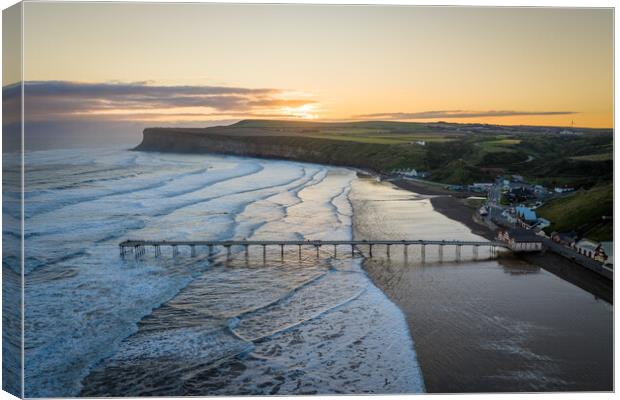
(546, 66)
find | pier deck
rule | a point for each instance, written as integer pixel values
(138, 246)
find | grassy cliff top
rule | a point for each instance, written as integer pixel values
(584, 212)
(451, 152)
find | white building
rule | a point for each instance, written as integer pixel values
(608, 248)
(588, 248)
(519, 240)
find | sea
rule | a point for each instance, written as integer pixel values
(406, 321)
(98, 324)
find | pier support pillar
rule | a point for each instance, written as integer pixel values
(335, 251)
(299, 248)
(264, 252)
(227, 251)
(282, 252)
(388, 250)
(458, 252)
(475, 252)
(193, 250)
(423, 253)
(441, 253)
(370, 250)
(175, 251)
(352, 251)
(246, 250)
(210, 250)
(317, 250)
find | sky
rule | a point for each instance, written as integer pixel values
(201, 64)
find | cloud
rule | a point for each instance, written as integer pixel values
(446, 114)
(67, 100)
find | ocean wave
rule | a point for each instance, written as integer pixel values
(165, 323)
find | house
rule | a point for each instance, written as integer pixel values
(520, 240)
(564, 238)
(588, 248)
(405, 172)
(485, 186)
(608, 249)
(517, 178)
(542, 223)
(519, 194)
(540, 191)
(567, 132)
(526, 217)
(509, 217)
(422, 174)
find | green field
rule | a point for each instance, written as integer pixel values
(595, 157)
(383, 139)
(454, 153)
(500, 145)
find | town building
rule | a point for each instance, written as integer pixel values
(526, 217)
(591, 249)
(520, 194)
(608, 249)
(564, 238)
(520, 240)
(517, 178)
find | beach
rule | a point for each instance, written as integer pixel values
(454, 206)
(482, 325)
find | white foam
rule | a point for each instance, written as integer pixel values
(83, 303)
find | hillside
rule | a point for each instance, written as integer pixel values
(452, 153)
(586, 212)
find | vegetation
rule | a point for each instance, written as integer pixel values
(457, 153)
(587, 212)
(452, 153)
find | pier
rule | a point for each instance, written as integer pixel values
(139, 247)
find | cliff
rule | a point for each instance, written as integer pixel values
(369, 156)
(452, 153)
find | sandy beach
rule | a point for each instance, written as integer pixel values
(483, 325)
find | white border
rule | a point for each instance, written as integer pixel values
(482, 3)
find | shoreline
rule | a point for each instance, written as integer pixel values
(449, 204)
(441, 300)
(453, 207)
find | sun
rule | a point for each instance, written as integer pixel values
(305, 111)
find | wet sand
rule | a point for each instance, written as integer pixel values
(455, 208)
(481, 325)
